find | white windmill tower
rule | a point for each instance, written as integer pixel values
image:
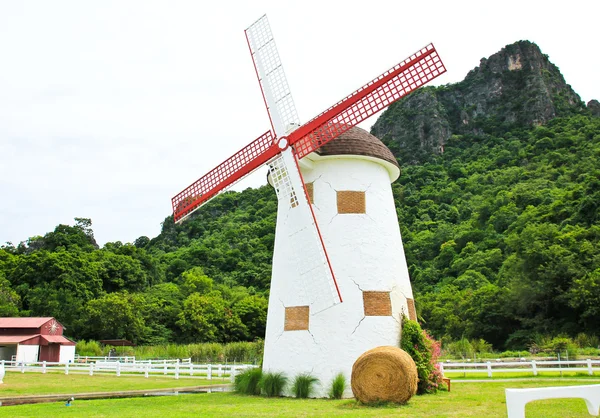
(346, 246)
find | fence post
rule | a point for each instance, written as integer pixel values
(177, 369)
(146, 370)
(91, 369)
(209, 372)
(441, 368)
(191, 369)
(66, 368)
(534, 367)
(220, 370)
(590, 370)
(44, 367)
(165, 367)
(22, 367)
(489, 369)
(118, 368)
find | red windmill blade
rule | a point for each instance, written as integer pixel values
(391, 86)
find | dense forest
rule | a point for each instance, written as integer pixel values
(500, 224)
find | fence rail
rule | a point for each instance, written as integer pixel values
(147, 368)
(583, 366)
(126, 359)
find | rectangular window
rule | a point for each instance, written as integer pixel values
(377, 303)
(296, 318)
(310, 192)
(351, 202)
(412, 312)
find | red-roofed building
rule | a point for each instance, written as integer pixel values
(34, 339)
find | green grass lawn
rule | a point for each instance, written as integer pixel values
(16, 383)
(467, 399)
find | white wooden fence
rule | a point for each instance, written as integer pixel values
(148, 368)
(125, 359)
(582, 366)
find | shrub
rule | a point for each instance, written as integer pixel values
(272, 384)
(461, 348)
(560, 344)
(88, 348)
(425, 352)
(586, 341)
(247, 382)
(304, 385)
(338, 385)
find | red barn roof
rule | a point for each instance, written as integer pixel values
(23, 322)
(57, 339)
(15, 339)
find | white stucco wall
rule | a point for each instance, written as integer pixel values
(28, 353)
(366, 253)
(67, 354)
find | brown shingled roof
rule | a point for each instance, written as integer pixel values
(357, 141)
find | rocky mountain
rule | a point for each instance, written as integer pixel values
(517, 86)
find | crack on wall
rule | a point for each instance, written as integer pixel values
(296, 232)
(363, 318)
(283, 330)
(359, 322)
(399, 321)
(313, 337)
(357, 285)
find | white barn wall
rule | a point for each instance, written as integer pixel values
(366, 253)
(27, 353)
(67, 354)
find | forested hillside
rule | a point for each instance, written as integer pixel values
(498, 208)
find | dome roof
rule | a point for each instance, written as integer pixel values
(357, 141)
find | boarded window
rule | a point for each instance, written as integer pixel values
(412, 312)
(351, 202)
(377, 303)
(310, 192)
(296, 318)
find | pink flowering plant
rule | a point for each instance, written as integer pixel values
(425, 351)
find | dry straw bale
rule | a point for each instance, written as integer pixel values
(386, 374)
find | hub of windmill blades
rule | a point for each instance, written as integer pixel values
(283, 143)
(288, 140)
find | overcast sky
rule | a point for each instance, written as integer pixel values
(109, 108)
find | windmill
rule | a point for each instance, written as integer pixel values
(306, 316)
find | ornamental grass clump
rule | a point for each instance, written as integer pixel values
(338, 386)
(247, 382)
(273, 384)
(304, 385)
(425, 351)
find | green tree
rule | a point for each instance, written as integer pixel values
(114, 316)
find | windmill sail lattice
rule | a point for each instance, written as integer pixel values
(271, 76)
(290, 142)
(313, 268)
(310, 259)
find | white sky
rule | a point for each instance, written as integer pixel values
(109, 108)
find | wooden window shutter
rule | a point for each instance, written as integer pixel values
(351, 202)
(296, 318)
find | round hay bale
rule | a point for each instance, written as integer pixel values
(386, 374)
